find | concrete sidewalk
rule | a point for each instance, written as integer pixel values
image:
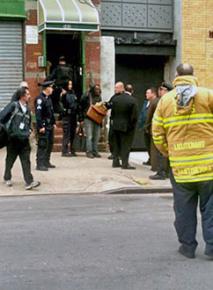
(77, 175)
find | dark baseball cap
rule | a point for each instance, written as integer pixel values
(46, 84)
(167, 86)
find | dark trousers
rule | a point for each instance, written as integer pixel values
(186, 196)
(69, 130)
(122, 143)
(22, 149)
(110, 139)
(147, 142)
(162, 165)
(45, 146)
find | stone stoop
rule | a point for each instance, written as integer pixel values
(58, 134)
(57, 147)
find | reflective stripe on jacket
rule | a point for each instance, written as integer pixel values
(185, 134)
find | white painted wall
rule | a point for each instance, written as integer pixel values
(170, 67)
(107, 67)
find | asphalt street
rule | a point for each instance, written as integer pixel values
(96, 242)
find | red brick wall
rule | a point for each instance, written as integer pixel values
(96, 2)
(33, 74)
(92, 55)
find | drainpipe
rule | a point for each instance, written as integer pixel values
(44, 45)
(83, 61)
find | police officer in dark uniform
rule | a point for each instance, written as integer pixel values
(45, 122)
(123, 121)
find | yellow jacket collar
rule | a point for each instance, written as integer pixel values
(185, 80)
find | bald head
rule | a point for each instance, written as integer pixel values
(23, 84)
(184, 69)
(119, 87)
(129, 89)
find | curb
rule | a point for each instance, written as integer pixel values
(139, 190)
(122, 190)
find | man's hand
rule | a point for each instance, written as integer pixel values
(63, 92)
(54, 126)
(42, 130)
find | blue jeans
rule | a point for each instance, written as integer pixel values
(92, 135)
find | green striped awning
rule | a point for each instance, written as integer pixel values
(67, 15)
(12, 9)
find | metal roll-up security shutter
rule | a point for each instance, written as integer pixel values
(11, 59)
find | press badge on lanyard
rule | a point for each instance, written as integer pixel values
(21, 126)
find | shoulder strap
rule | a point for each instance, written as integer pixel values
(7, 125)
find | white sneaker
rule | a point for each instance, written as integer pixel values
(8, 182)
(32, 185)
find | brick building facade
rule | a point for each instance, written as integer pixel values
(138, 41)
(195, 42)
(90, 53)
(197, 38)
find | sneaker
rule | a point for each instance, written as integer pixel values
(128, 167)
(49, 165)
(89, 155)
(66, 155)
(42, 168)
(209, 253)
(110, 157)
(147, 163)
(8, 182)
(97, 155)
(157, 177)
(32, 185)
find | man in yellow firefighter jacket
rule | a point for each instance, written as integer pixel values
(183, 131)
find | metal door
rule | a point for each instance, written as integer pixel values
(11, 59)
(142, 72)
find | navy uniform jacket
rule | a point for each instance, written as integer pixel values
(44, 112)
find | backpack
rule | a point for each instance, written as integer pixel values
(4, 136)
(18, 126)
(63, 74)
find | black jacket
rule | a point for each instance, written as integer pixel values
(61, 74)
(71, 105)
(44, 112)
(124, 112)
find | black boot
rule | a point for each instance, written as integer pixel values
(116, 163)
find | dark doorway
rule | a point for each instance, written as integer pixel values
(142, 72)
(68, 45)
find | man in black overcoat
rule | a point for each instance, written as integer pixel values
(123, 121)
